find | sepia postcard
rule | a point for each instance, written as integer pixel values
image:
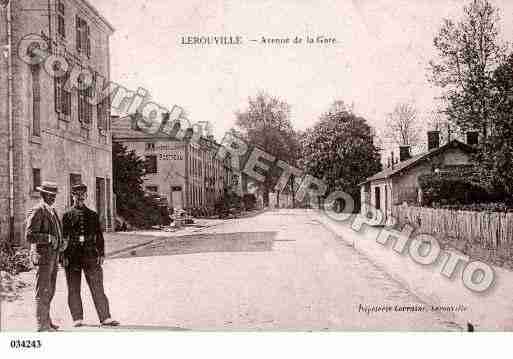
(255, 165)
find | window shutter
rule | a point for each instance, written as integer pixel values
(56, 94)
(88, 40)
(61, 16)
(68, 103)
(77, 28)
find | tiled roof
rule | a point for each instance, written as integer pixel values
(399, 167)
(123, 129)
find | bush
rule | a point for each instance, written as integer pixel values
(452, 188)
(250, 201)
(15, 261)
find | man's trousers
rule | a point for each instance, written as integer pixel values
(46, 278)
(94, 276)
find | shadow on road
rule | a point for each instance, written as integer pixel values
(205, 243)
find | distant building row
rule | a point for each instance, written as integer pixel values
(186, 173)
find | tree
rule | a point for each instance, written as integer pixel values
(266, 124)
(495, 157)
(468, 52)
(401, 125)
(131, 201)
(339, 149)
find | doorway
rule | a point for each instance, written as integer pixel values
(377, 194)
(74, 179)
(100, 200)
(176, 197)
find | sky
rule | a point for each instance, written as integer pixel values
(380, 58)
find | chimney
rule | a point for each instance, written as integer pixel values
(433, 140)
(472, 138)
(404, 153)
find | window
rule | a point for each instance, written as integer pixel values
(36, 179)
(85, 108)
(109, 204)
(36, 101)
(150, 146)
(83, 36)
(74, 179)
(151, 164)
(154, 189)
(62, 97)
(103, 114)
(61, 15)
(103, 107)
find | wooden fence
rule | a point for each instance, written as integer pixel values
(492, 230)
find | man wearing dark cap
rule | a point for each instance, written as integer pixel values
(85, 252)
(44, 233)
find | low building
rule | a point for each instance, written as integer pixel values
(186, 172)
(399, 182)
(57, 133)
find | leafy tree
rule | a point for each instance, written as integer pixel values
(131, 201)
(266, 124)
(495, 157)
(339, 149)
(468, 53)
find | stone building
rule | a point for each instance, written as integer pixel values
(59, 133)
(186, 172)
(399, 182)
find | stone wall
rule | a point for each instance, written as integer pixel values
(4, 130)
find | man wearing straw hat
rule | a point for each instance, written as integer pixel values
(85, 252)
(44, 233)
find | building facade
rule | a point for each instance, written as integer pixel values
(59, 133)
(187, 173)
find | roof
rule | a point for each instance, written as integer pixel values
(100, 16)
(124, 129)
(412, 162)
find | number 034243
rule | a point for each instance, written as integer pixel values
(26, 344)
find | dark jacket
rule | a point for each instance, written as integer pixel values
(40, 225)
(94, 245)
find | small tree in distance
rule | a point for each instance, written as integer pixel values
(131, 201)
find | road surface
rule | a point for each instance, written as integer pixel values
(280, 270)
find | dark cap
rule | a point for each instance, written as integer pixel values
(79, 188)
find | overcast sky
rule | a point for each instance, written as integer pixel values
(380, 59)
